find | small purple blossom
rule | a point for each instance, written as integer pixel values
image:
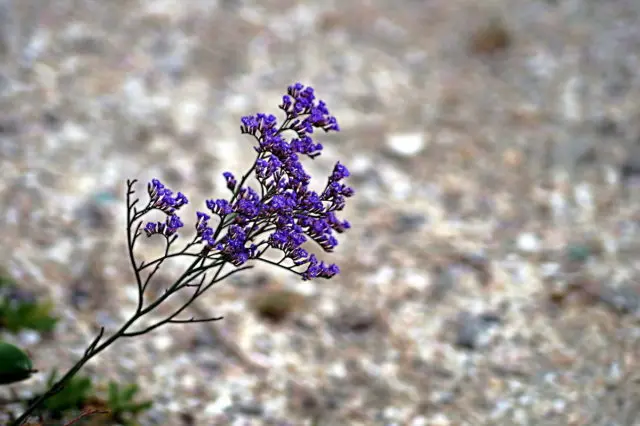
(233, 246)
(231, 180)
(219, 207)
(339, 172)
(318, 269)
(161, 198)
(168, 228)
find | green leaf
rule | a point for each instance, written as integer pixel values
(74, 393)
(143, 406)
(36, 316)
(129, 392)
(114, 396)
(15, 365)
(120, 401)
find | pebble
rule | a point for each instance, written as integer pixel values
(419, 421)
(471, 330)
(528, 243)
(416, 280)
(550, 269)
(409, 222)
(406, 144)
(624, 299)
(29, 337)
(440, 419)
(360, 165)
(583, 195)
(221, 404)
(250, 408)
(162, 343)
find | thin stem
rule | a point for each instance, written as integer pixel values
(94, 348)
(73, 370)
(87, 413)
(153, 272)
(196, 269)
(130, 244)
(216, 279)
(194, 320)
(168, 256)
(279, 265)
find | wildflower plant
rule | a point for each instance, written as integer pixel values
(278, 215)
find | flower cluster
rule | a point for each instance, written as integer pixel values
(161, 198)
(283, 213)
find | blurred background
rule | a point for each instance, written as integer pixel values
(491, 273)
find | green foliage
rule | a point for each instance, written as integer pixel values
(18, 312)
(73, 396)
(79, 394)
(15, 365)
(35, 316)
(121, 404)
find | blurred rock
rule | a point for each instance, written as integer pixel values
(471, 329)
(406, 144)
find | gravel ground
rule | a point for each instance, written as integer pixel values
(490, 276)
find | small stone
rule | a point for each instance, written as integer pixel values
(471, 329)
(614, 375)
(74, 133)
(409, 222)
(162, 343)
(219, 406)
(550, 269)
(528, 243)
(583, 195)
(440, 419)
(467, 333)
(276, 305)
(360, 165)
(491, 38)
(132, 293)
(188, 382)
(416, 280)
(419, 421)
(442, 397)
(624, 299)
(94, 216)
(250, 408)
(406, 144)
(443, 281)
(355, 319)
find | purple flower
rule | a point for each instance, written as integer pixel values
(233, 246)
(231, 180)
(168, 228)
(339, 172)
(280, 213)
(219, 207)
(319, 269)
(161, 198)
(203, 230)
